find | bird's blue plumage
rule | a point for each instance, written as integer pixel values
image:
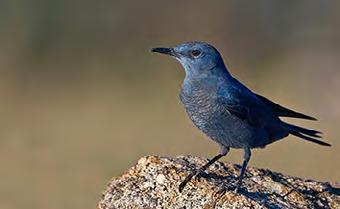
(226, 110)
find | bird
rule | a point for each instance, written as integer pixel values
(226, 110)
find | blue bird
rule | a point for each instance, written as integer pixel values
(226, 110)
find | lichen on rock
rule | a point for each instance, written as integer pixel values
(153, 183)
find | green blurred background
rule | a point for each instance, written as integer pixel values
(82, 98)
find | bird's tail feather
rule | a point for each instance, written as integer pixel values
(306, 134)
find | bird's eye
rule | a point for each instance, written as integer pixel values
(195, 53)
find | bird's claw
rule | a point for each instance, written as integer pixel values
(224, 189)
(239, 190)
(198, 175)
(221, 192)
(195, 174)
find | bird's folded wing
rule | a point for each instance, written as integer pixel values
(283, 111)
(246, 106)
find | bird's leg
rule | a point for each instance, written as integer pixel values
(224, 152)
(246, 158)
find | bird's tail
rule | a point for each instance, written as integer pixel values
(306, 134)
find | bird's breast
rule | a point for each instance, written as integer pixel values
(200, 105)
(213, 119)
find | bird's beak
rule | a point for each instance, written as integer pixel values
(168, 51)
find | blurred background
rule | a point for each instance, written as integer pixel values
(82, 98)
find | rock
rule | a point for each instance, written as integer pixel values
(153, 183)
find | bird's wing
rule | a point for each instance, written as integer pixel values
(283, 111)
(245, 105)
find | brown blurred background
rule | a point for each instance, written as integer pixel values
(82, 98)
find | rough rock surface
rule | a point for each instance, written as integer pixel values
(153, 183)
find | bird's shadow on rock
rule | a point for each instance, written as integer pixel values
(333, 189)
(263, 193)
(229, 182)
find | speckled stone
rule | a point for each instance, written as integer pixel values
(153, 183)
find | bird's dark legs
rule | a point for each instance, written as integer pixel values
(246, 158)
(224, 152)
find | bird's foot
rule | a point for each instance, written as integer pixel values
(195, 174)
(240, 190)
(221, 191)
(225, 188)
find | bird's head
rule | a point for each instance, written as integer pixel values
(197, 58)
